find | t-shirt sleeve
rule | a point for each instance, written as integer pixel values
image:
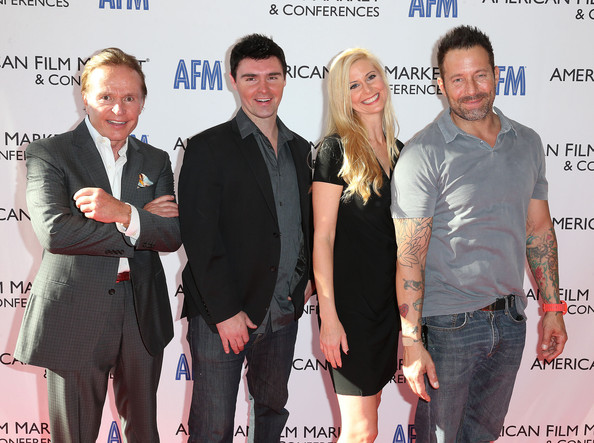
(541, 188)
(414, 184)
(329, 161)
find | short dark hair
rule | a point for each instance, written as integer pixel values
(464, 37)
(258, 47)
(111, 57)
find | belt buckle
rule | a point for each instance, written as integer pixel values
(499, 304)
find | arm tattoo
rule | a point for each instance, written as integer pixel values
(412, 236)
(403, 308)
(415, 285)
(412, 331)
(541, 251)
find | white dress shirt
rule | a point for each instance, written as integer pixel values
(114, 169)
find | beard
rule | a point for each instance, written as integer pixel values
(473, 114)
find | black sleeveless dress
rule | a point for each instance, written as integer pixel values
(364, 281)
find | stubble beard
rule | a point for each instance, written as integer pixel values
(473, 114)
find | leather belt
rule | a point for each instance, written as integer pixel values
(499, 304)
(123, 276)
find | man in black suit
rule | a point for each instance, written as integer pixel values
(102, 206)
(245, 222)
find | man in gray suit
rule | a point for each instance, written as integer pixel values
(102, 205)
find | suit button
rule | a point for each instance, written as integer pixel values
(273, 269)
(111, 291)
(275, 234)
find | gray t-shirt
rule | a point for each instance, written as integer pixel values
(478, 198)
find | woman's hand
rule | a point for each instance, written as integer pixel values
(332, 339)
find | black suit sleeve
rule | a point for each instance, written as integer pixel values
(210, 281)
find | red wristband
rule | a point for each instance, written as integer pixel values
(555, 307)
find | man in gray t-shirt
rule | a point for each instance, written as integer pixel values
(469, 200)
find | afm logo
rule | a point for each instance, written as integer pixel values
(400, 436)
(117, 4)
(426, 8)
(143, 138)
(211, 77)
(114, 435)
(513, 80)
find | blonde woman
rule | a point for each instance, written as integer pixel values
(354, 252)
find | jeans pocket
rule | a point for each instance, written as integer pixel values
(450, 322)
(512, 313)
(445, 334)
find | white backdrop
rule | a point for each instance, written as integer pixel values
(543, 48)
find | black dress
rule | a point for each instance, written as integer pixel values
(364, 281)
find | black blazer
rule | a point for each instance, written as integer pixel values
(70, 293)
(229, 225)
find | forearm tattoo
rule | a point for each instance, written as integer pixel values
(541, 251)
(415, 285)
(403, 308)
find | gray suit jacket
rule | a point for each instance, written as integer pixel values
(71, 292)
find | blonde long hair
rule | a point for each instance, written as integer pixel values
(360, 169)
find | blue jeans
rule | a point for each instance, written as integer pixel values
(216, 382)
(477, 356)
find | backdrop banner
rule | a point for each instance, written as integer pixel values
(546, 82)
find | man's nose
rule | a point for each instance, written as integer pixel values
(471, 87)
(263, 86)
(117, 109)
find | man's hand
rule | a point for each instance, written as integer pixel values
(417, 363)
(98, 205)
(332, 339)
(163, 206)
(234, 332)
(554, 335)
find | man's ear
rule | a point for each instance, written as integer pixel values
(232, 81)
(441, 86)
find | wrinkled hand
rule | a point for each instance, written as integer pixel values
(554, 335)
(101, 206)
(234, 332)
(163, 206)
(332, 339)
(417, 363)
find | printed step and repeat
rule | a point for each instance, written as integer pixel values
(543, 50)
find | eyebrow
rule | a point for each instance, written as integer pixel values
(459, 74)
(268, 74)
(373, 70)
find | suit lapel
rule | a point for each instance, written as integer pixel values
(253, 157)
(132, 170)
(89, 157)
